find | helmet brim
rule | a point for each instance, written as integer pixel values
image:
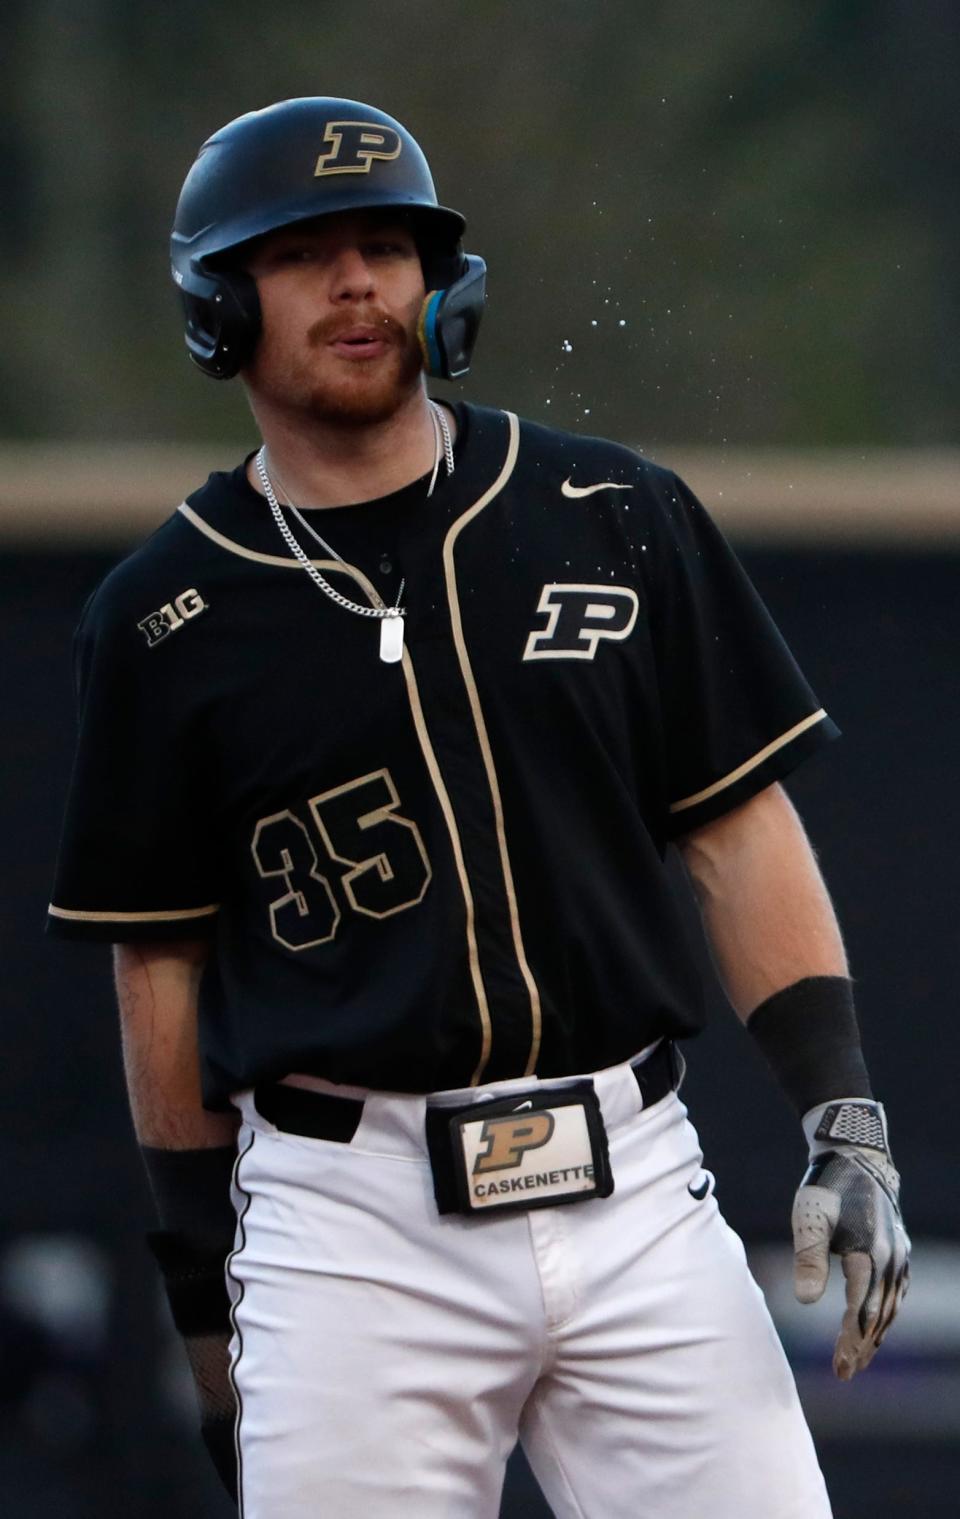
(436, 228)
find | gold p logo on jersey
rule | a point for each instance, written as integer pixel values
(354, 145)
(509, 1138)
(579, 616)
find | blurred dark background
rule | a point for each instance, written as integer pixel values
(755, 203)
(724, 235)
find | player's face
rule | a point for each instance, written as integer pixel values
(340, 299)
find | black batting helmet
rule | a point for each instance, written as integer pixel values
(291, 162)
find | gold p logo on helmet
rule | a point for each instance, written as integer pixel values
(354, 145)
(509, 1138)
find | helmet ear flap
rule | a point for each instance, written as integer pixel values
(450, 319)
(222, 311)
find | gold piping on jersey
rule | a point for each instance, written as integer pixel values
(132, 917)
(433, 768)
(750, 764)
(284, 561)
(446, 807)
(466, 671)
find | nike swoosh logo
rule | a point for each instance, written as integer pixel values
(576, 491)
(700, 1192)
(521, 1105)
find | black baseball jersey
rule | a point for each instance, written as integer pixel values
(426, 873)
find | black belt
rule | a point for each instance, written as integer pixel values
(318, 1115)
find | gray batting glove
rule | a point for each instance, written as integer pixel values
(849, 1204)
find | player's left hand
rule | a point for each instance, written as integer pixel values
(849, 1204)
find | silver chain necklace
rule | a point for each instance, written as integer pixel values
(390, 618)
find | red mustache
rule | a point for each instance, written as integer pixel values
(330, 328)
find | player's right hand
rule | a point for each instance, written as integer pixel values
(848, 1204)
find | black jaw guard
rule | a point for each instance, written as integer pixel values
(221, 318)
(450, 319)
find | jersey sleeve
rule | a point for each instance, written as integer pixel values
(137, 855)
(737, 712)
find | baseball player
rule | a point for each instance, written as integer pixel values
(384, 737)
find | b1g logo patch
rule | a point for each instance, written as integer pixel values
(579, 617)
(171, 616)
(353, 146)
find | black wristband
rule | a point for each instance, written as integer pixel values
(809, 1035)
(191, 1189)
(196, 1285)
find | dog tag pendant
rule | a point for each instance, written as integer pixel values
(391, 638)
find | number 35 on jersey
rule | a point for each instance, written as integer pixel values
(376, 855)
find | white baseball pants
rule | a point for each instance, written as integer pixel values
(387, 1358)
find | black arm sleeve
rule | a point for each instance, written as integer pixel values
(737, 713)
